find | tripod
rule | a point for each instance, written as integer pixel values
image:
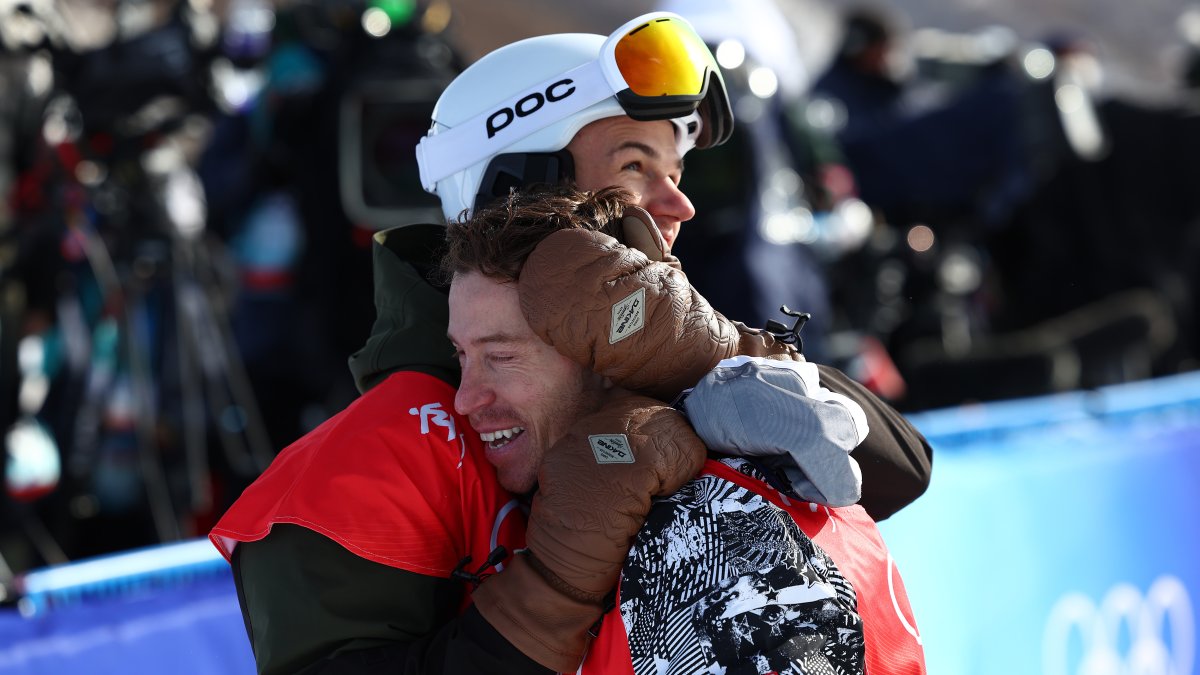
(147, 372)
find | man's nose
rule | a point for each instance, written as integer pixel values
(474, 393)
(664, 200)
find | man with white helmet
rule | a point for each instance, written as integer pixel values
(524, 114)
(547, 110)
(331, 586)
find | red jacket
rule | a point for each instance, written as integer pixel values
(397, 478)
(405, 487)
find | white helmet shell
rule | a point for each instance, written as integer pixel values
(496, 78)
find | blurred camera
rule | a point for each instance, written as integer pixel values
(380, 125)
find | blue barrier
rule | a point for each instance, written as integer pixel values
(126, 573)
(163, 609)
(1058, 537)
(1059, 534)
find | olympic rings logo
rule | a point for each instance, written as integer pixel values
(1164, 609)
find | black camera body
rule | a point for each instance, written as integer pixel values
(380, 123)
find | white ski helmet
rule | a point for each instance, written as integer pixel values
(506, 120)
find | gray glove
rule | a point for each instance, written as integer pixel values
(777, 410)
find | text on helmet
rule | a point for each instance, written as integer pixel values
(528, 105)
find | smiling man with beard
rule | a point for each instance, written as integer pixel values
(729, 571)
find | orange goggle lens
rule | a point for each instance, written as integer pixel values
(664, 57)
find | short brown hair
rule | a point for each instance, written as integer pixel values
(498, 239)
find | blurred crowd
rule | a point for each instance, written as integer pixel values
(188, 209)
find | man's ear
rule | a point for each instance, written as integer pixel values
(639, 231)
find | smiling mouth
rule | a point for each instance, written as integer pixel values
(499, 439)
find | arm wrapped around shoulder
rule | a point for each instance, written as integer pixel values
(639, 322)
(595, 490)
(596, 485)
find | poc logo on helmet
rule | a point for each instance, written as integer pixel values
(528, 105)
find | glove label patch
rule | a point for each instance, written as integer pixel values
(628, 316)
(611, 448)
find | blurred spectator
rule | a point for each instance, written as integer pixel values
(863, 75)
(774, 204)
(125, 379)
(1015, 267)
(923, 148)
(1113, 210)
(303, 173)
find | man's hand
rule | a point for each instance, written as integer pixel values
(596, 485)
(595, 490)
(634, 320)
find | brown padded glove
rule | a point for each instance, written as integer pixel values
(594, 492)
(637, 321)
(547, 626)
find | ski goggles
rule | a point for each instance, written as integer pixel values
(655, 66)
